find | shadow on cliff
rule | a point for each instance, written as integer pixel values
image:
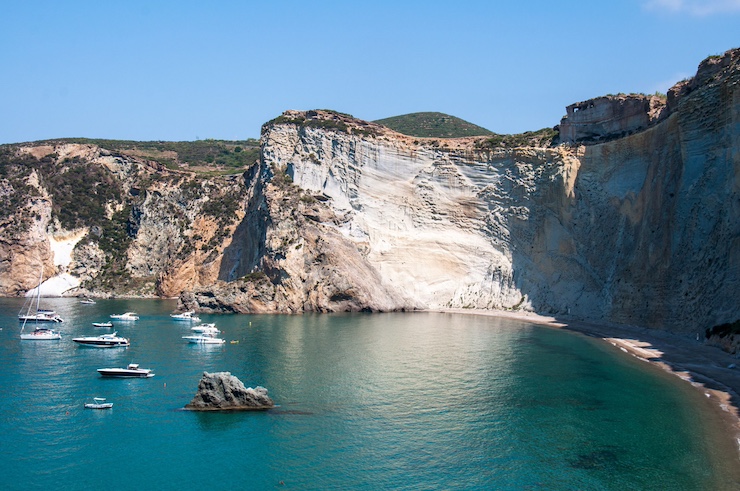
(247, 246)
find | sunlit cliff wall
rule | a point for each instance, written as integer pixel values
(636, 220)
(641, 229)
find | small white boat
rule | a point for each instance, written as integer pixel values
(209, 328)
(204, 338)
(102, 324)
(111, 340)
(132, 370)
(128, 316)
(87, 301)
(186, 316)
(99, 403)
(41, 334)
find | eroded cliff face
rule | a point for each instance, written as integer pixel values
(433, 222)
(345, 215)
(642, 229)
(303, 264)
(113, 224)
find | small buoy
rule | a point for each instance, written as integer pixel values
(165, 385)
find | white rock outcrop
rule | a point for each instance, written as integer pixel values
(417, 213)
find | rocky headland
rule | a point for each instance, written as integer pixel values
(632, 216)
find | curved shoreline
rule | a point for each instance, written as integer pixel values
(704, 367)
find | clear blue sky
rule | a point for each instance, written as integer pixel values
(186, 70)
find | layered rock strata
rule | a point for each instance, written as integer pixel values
(610, 117)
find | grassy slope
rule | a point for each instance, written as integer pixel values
(203, 156)
(433, 125)
(438, 125)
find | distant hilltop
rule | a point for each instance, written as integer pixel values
(433, 125)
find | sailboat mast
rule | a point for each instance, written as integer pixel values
(38, 289)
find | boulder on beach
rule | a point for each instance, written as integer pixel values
(222, 391)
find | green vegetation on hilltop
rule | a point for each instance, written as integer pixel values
(201, 155)
(432, 125)
(80, 191)
(546, 137)
(326, 119)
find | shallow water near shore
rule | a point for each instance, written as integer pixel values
(366, 401)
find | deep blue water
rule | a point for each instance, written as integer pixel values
(417, 401)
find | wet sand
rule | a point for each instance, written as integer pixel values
(705, 367)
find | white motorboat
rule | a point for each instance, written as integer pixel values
(132, 370)
(204, 338)
(41, 334)
(111, 340)
(186, 316)
(98, 403)
(102, 324)
(128, 316)
(87, 301)
(208, 328)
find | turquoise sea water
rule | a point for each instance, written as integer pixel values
(417, 401)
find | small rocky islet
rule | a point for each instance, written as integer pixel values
(222, 391)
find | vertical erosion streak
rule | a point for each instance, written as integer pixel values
(606, 290)
(247, 246)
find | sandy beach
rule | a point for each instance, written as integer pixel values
(705, 367)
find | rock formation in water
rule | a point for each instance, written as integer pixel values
(634, 218)
(221, 391)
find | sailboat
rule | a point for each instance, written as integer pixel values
(40, 333)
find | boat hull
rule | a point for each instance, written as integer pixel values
(39, 318)
(185, 317)
(53, 336)
(124, 373)
(101, 344)
(203, 340)
(107, 405)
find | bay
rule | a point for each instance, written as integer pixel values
(366, 401)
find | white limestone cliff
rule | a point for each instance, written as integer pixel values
(641, 229)
(433, 222)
